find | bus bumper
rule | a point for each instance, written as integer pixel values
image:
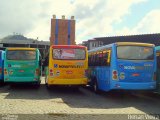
(133, 86)
(80, 81)
(21, 79)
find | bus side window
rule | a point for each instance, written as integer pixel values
(100, 56)
(104, 63)
(95, 59)
(98, 59)
(106, 58)
(109, 57)
(92, 60)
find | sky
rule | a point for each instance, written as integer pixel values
(94, 18)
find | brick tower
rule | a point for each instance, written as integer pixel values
(62, 31)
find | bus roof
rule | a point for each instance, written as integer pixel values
(135, 43)
(67, 46)
(101, 48)
(121, 43)
(20, 48)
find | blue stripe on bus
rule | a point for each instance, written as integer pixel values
(56, 33)
(69, 32)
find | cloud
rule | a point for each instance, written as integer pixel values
(18, 16)
(31, 18)
(97, 18)
(42, 26)
(93, 18)
(149, 24)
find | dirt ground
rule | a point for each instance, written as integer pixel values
(29, 102)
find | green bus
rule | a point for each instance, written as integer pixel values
(22, 65)
(158, 68)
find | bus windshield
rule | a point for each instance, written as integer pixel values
(135, 53)
(21, 55)
(69, 54)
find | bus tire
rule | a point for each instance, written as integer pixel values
(48, 86)
(37, 85)
(95, 87)
(75, 88)
(2, 83)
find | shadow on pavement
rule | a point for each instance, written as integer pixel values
(84, 97)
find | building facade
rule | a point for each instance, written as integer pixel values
(144, 38)
(43, 46)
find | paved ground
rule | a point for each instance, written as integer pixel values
(68, 103)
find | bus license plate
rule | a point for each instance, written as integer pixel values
(69, 72)
(135, 74)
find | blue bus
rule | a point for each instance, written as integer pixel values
(2, 65)
(122, 65)
(158, 69)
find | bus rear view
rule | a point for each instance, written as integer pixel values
(67, 65)
(123, 65)
(22, 65)
(136, 67)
